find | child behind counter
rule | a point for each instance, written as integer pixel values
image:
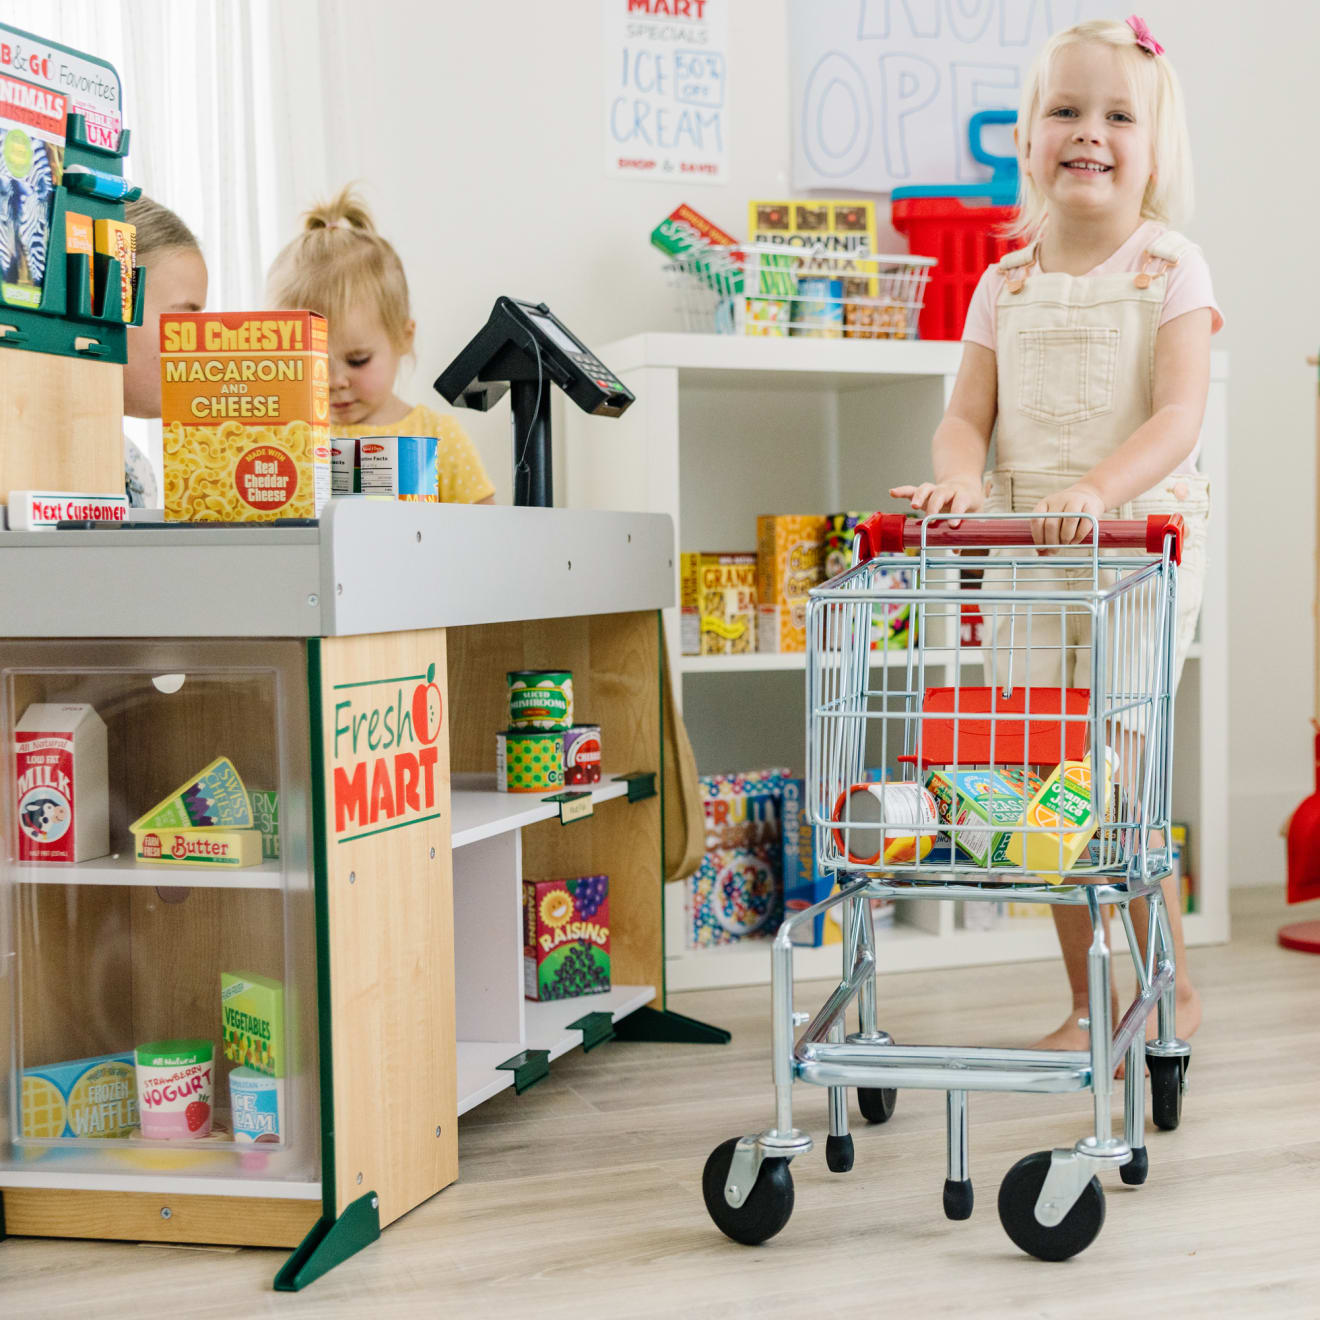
(341, 267)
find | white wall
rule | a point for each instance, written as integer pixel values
(477, 130)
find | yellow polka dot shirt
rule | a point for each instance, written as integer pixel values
(463, 479)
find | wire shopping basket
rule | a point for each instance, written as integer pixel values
(773, 290)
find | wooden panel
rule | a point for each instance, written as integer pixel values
(61, 424)
(136, 1217)
(391, 929)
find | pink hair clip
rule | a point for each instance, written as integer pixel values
(1145, 38)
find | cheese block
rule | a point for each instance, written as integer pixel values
(214, 799)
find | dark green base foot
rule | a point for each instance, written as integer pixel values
(330, 1243)
(662, 1025)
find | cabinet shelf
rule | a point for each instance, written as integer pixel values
(480, 811)
(122, 869)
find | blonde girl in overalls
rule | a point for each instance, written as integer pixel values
(1087, 355)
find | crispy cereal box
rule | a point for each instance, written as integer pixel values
(245, 409)
(790, 560)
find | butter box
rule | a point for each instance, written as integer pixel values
(94, 1097)
(217, 849)
(790, 560)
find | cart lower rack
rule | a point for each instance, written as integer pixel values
(980, 793)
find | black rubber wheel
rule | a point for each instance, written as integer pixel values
(958, 1199)
(1135, 1170)
(1166, 1090)
(766, 1209)
(839, 1153)
(877, 1105)
(1017, 1212)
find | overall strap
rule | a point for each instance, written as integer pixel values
(1163, 252)
(1014, 267)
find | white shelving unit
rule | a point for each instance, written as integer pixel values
(121, 869)
(726, 428)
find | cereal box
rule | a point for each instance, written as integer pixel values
(804, 882)
(82, 1098)
(245, 409)
(737, 890)
(790, 560)
(566, 937)
(724, 589)
(252, 1022)
(890, 624)
(62, 783)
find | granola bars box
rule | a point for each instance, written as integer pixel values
(245, 410)
(719, 603)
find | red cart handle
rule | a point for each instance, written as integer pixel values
(892, 533)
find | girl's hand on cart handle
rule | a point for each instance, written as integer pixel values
(955, 496)
(1078, 498)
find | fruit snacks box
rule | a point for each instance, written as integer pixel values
(245, 409)
(989, 804)
(62, 783)
(686, 235)
(790, 560)
(82, 1098)
(252, 1022)
(566, 937)
(892, 626)
(721, 619)
(737, 890)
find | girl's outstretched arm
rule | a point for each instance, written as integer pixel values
(961, 440)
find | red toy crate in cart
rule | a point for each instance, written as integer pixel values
(961, 225)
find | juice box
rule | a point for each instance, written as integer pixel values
(213, 796)
(790, 560)
(94, 1097)
(245, 409)
(725, 595)
(400, 467)
(566, 937)
(116, 240)
(252, 1022)
(62, 783)
(215, 848)
(987, 803)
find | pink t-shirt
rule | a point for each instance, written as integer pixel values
(1186, 289)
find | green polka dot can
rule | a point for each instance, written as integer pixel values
(529, 762)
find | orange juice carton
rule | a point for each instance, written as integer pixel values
(790, 560)
(1061, 811)
(62, 783)
(245, 410)
(252, 1022)
(117, 240)
(721, 619)
(81, 1098)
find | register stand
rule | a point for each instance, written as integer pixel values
(356, 669)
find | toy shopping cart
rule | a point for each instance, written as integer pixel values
(1037, 769)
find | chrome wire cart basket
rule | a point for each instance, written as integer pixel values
(1041, 774)
(772, 290)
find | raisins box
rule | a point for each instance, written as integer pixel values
(566, 937)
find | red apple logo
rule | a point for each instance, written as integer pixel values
(427, 710)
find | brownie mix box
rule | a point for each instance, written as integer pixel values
(245, 411)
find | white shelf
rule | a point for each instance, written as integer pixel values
(480, 811)
(547, 1029)
(122, 869)
(901, 948)
(757, 661)
(169, 1184)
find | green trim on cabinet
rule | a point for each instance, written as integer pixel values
(596, 1029)
(528, 1067)
(655, 1024)
(330, 1242)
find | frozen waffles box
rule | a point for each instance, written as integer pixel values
(790, 560)
(245, 408)
(80, 1098)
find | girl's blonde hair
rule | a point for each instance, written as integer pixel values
(1159, 100)
(338, 262)
(158, 228)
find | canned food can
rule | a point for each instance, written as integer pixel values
(529, 762)
(890, 823)
(582, 754)
(540, 699)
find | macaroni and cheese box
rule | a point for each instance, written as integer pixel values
(245, 408)
(790, 560)
(719, 604)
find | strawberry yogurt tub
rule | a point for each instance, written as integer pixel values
(175, 1080)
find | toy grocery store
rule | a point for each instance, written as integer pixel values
(694, 709)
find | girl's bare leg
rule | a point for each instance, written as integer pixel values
(1188, 1006)
(1073, 926)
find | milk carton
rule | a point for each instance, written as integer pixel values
(62, 779)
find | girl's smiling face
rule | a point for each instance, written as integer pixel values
(363, 368)
(1089, 150)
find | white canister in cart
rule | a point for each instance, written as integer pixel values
(891, 824)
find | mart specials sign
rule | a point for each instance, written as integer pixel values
(384, 740)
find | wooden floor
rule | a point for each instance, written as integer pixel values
(582, 1197)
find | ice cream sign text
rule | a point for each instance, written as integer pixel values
(384, 749)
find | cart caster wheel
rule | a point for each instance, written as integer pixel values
(1017, 1212)
(767, 1207)
(839, 1153)
(958, 1199)
(877, 1105)
(1166, 1090)
(1135, 1170)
